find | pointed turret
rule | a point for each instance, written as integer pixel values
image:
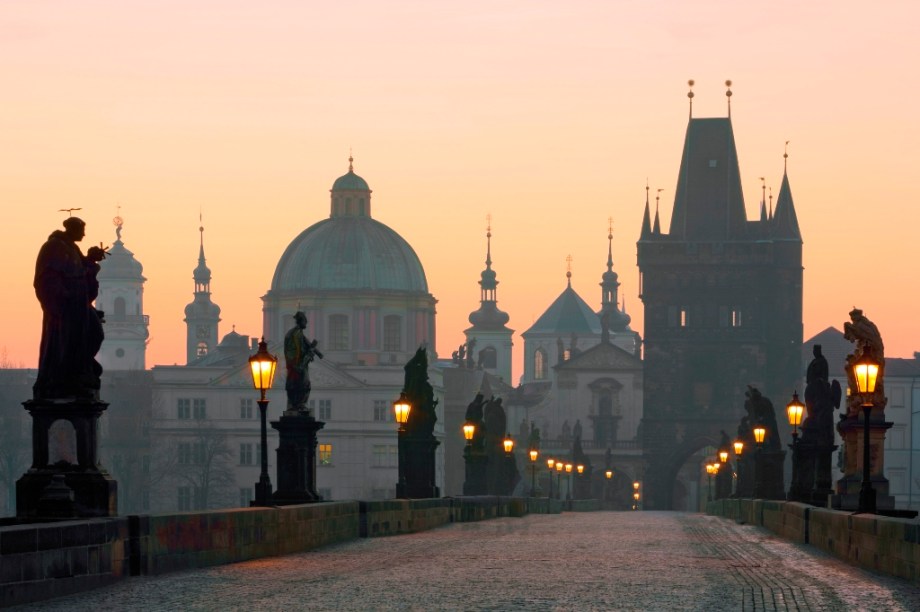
(612, 319)
(656, 229)
(785, 221)
(646, 219)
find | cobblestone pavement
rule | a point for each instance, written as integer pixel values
(576, 561)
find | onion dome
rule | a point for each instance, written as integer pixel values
(120, 264)
(488, 316)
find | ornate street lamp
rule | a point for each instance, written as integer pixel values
(760, 432)
(794, 411)
(534, 453)
(865, 371)
(739, 447)
(559, 467)
(469, 430)
(568, 492)
(723, 456)
(636, 500)
(550, 463)
(608, 474)
(710, 470)
(636, 486)
(401, 408)
(508, 444)
(263, 365)
(580, 468)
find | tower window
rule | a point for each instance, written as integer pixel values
(338, 333)
(539, 364)
(392, 333)
(119, 307)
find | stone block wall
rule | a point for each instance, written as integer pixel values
(395, 516)
(44, 560)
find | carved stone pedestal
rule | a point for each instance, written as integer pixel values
(769, 475)
(296, 459)
(65, 480)
(418, 455)
(476, 464)
(846, 496)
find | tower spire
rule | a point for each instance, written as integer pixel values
(568, 270)
(646, 216)
(763, 199)
(690, 96)
(657, 228)
(489, 241)
(610, 244)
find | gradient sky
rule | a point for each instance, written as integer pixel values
(548, 115)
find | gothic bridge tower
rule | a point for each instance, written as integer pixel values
(723, 309)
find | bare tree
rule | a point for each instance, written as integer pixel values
(201, 460)
(15, 438)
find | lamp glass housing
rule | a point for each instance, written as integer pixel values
(534, 453)
(550, 463)
(723, 456)
(402, 407)
(759, 434)
(263, 365)
(580, 468)
(739, 446)
(469, 430)
(865, 371)
(559, 466)
(794, 411)
(636, 486)
(508, 443)
(608, 474)
(568, 467)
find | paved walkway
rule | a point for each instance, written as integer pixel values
(576, 561)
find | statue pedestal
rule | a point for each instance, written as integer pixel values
(65, 480)
(769, 474)
(476, 462)
(848, 487)
(418, 453)
(296, 459)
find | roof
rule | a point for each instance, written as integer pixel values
(566, 315)
(120, 264)
(709, 204)
(350, 182)
(349, 253)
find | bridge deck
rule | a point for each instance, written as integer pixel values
(576, 561)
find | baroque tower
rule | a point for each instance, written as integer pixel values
(121, 298)
(201, 315)
(723, 307)
(489, 334)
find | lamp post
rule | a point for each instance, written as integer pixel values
(865, 371)
(636, 500)
(508, 444)
(738, 445)
(550, 463)
(608, 474)
(401, 408)
(760, 433)
(263, 365)
(559, 467)
(794, 411)
(568, 488)
(469, 430)
(710, 470)
(534, 453)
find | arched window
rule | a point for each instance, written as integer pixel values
(392, 333)
(119, 307)
(488, 358)
(539, 364)
(338, 332)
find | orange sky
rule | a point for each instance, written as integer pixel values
(547, 115)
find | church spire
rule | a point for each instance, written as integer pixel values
(646, 217)
(656, 229)
(609, 280)
(488, 279)
(202, 273)
(785, 221)
(202, 315)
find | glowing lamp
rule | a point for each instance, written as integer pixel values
(759, 434)
(534, 453)
(568, 468)
(402, 407)
(865, 371)
(508, 443)
(794, 411)
(739, 446)
(608, 474)
(550, 463)
(723, 456)
(468, 431)
(580, 468)
(263, 366)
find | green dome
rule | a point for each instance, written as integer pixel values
(350, 182)
(349, 253)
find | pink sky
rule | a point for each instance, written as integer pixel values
(547, 115)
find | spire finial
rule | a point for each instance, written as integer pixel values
(657, 197)
(771, 202)
(489, 241)
(351, 159)
(763, 189)
(118, 222)
(785, 156)
(646, 190)
(690, 95)
(610, 244)
(568, 272)
(728, 94)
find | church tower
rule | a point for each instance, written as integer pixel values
(201, 315)
(121, 298)
(723, 309)
(489, 335)
(615, 322)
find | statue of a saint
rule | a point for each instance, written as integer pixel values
(299, 352)
(66, 285)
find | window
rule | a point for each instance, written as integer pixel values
(325, 454)
(185, 453)
(684, 319)
(184, 408)
(338, 333)
(246, 407)
(246, 457)
(184, 495)
(245, 497)
(325, 410)
(392, 333)
(488, 358)
(199, 453)
(382, 411)
(119, 307)
(199, 408)
(385, 455)
(539, 364)
(736, 318)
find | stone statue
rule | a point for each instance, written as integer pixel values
(66, 285)
(566, 431)
(523, 430)
(421, 395)
(474, 415)
(576, 431)
(461, 354)
(299, 352)
(821, 398)
(469, 353)
(533, 440)
(868, 341)
(760, 412)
